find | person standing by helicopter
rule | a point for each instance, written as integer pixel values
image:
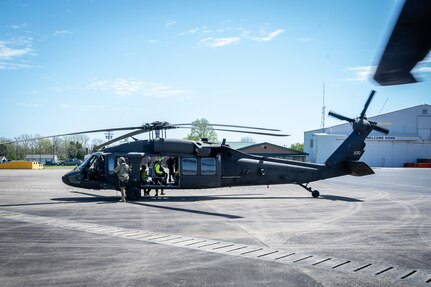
(171, 164)
(145, 179)
(122, 170)
(160, 175)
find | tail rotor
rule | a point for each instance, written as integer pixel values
(361, 124)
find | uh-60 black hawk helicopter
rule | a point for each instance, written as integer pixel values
(203, 164)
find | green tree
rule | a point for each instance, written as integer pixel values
(44, 146)
(201, 128)
(3, 150)
(297, 146)
(75, 150)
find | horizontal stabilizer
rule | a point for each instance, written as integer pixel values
(359, 168)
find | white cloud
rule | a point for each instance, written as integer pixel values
(120, 87)
(23, 25)
(268, 36)
(13, 51)
(424, 69)
(361, 73)
(218, 42)
(427, 59)
(8, 52)
(217, 36)
(170, 24)
(191, 31)
(12, 66)
(205, 30)
(61, 33)
(124, 87)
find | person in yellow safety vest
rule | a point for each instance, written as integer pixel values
(160, 175)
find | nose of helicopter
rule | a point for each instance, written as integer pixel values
(65, 179)
(72, 178)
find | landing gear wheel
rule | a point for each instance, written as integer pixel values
(315, 193)
(133, 193)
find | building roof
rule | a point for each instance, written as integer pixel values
(239, 145)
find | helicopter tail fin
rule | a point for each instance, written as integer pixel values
(345, 160)
(346, 156)
(350, 150)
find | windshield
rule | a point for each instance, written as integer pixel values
(87, 162)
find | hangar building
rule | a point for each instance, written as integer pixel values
(408, 141)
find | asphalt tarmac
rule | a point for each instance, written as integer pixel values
(368, 231)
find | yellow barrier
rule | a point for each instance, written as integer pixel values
(21, 165)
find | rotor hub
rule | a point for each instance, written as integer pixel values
(361, 125)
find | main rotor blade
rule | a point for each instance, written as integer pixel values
(255, 133)
(370, 97)
(75, 133)
(380, 129)
(247, 132)
(231, 126)
(340, 117)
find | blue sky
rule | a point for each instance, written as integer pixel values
(67, 66)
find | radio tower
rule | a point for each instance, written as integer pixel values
(322, 120)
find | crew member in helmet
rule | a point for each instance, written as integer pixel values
(122, 170)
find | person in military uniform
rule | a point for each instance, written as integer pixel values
(122, 170)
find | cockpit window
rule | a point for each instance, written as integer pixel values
(87, 162)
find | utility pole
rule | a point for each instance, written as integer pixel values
(322, 121)
(109, 135)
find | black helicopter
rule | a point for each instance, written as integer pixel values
(203, 164)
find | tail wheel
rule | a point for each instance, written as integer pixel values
(315, 193)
